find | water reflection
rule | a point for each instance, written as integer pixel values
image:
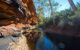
(44, 43)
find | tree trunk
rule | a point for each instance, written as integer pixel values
(74, 8)
(51, 7)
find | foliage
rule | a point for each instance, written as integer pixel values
(61, 18)
(66, 17)
(42, 7)
(78, 6)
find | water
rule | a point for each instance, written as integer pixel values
(45, 44)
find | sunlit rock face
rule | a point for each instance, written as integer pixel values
(17, 37)
(19, 44)
(14, 11)
(17, 11)
(14, 16)
(14, 43)
(11, 38)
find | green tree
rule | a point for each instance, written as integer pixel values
(43, 6)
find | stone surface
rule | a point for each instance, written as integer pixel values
(13, 43)
(14, 15)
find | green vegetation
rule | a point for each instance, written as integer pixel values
(69, 16)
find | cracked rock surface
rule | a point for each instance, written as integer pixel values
(13, 43)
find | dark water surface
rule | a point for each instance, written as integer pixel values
(58, 42)
(45, 44)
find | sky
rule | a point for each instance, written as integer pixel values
(64, 4)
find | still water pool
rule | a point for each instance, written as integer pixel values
(45, 43)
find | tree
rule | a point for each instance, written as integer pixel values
(74, 8)
(51, 7)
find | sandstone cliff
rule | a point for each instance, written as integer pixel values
(16, 17)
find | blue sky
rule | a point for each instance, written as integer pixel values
(64, 4)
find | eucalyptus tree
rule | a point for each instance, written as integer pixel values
(74, 8)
